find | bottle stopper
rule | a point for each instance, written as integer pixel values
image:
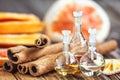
(77, 13)
(66, 36)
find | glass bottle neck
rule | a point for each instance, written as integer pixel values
(78, 28)
(77, 24)
(92, 48)
(91, 52)
(78, 32)
(66, 47)
(66, 52)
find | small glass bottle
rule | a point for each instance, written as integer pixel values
(63, 65)
(92, 62)
(78, 43)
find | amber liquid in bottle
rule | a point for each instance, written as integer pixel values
(67, 69)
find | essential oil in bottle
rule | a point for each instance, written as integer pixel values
(92, 62)
(63, 62)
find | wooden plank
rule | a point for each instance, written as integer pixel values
(54, 76)
(50, 76)
(104, 77)
(6, 75)
(83, 77)
(26, 77)
(118, 75)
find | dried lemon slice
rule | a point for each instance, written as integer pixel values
(112, 66)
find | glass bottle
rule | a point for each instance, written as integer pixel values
(63, 65)
(92, 62)
(78, 42)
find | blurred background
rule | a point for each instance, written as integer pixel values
(40, 7)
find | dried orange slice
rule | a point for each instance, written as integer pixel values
(7, 40)
(10, 16)
(3, 56)
(17, 23)
(60, 16)
(112, 66)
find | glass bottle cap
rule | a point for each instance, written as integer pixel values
(77, 13)
(66, 36)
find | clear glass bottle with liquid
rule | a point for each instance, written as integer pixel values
(92, 62)
(78, 43)
(63, 65)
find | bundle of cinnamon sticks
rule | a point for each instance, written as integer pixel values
(41, 59)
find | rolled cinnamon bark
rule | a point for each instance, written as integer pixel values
(102, 48)
(10, 67)
(43, 41)
(16, 49)
(107, 47)
(12, 51)
(23, 68)
(30, 54)
(43, 65)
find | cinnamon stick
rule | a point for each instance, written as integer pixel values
(12, 51)
(102, 48)
(23, 68)
(43, 65)
(10, 67)
(43, 41)
(16, 49)
(107, 47)
(29, 54)
(40, 42)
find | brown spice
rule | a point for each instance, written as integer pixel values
(42, 42)
(43, 65)
(23, 68)
(29, 54)
(10, 67)
(107, 47)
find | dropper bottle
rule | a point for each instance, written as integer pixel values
(63, 65)
(92, 62)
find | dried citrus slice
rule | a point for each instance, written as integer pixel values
(8, 40)
(17, 23)
(60, 16)
(3, 56)
(112, 66)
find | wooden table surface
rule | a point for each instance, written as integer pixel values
(54, 76)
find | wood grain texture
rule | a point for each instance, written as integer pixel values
(24, 77)
(54, 76)
(6, 75)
